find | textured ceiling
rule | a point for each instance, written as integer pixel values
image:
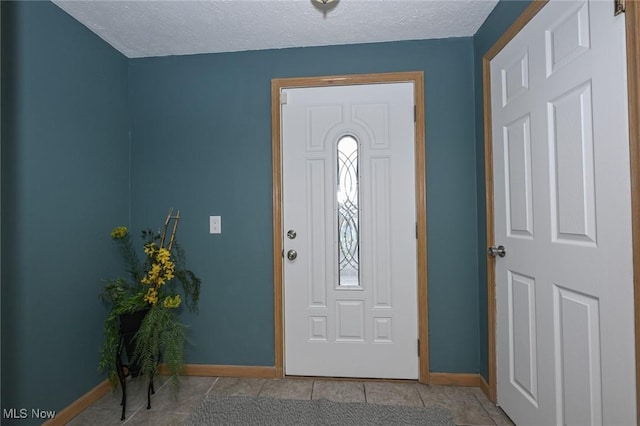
(159, 28)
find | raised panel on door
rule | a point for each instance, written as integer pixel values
(523, 372)
(517, 178)
(572, 190)
(578, 381)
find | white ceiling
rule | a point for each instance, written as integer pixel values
(142, 28)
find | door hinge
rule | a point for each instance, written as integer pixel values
(619, 6)
(416, 230)
(418, 348)
(415, 113)
(283, 98)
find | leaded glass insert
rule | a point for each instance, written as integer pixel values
(348, 213)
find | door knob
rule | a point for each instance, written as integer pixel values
(292, 254)
(497, 251)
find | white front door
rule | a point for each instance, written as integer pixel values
(565, 314)
(349, 219)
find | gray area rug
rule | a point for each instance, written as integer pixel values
(242, 410)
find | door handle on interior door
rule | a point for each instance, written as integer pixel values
(292, 254)
(497, 251)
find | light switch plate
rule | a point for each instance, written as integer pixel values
(215, 225)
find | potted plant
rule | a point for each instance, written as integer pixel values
(154, 292)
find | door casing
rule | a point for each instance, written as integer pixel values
(633, 82)
(417, 78)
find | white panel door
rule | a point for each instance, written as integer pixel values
(565, 333)
(349, 197)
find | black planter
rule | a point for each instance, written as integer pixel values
(129, 326)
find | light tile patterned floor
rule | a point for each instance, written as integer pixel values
(468, 405)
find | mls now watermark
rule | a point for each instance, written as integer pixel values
(24, 413)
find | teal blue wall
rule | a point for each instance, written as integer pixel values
(201, 130)
(501, 18)
(65, 177)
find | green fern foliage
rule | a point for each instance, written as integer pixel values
(161, 337)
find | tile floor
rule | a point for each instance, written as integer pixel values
(468, 405)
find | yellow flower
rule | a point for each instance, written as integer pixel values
(152, 274)
(155, 269)
(119, 232)
(151, 296)
(172, 302)
(150, 249)
(163, 255)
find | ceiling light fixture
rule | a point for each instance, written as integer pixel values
(324, 6)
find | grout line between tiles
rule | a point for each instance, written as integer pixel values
(261, 388)
(484, 409)
(211, 387)
(424, 404)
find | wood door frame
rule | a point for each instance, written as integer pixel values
(632, 23)
(277, 84)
